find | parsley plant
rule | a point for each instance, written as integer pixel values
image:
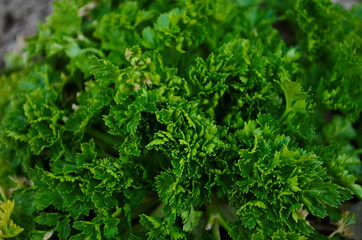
(182, 119)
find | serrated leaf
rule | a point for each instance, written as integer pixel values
(295, 96)
(111, 227)
(190, 219)
(8, 228)
(103, 70)
(63, 228)
(89, 230)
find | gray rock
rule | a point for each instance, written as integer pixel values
(18, 20)
(356, 228)
(347, 4)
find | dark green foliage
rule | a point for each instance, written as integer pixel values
(183, 119)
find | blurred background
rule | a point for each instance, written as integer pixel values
(18, 20)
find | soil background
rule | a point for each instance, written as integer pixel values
(18, 20)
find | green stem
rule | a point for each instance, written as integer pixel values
(223, 223)
(103, 154)
(158, 211)
(145, 207)
(284, 116)
(105, 142)
(101, 136)
(2, 193)
(216, 231)
(138, 228)
(216, 217)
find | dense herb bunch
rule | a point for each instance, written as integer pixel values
(186, 119)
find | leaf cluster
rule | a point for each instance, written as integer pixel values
(186, 119)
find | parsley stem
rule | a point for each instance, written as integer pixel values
(158, 211)
(105, 142)
(285, 114)
(138, 228)
(2, 193)
(216, 231)
(147, 205)
(101, 136)
(216, 218)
